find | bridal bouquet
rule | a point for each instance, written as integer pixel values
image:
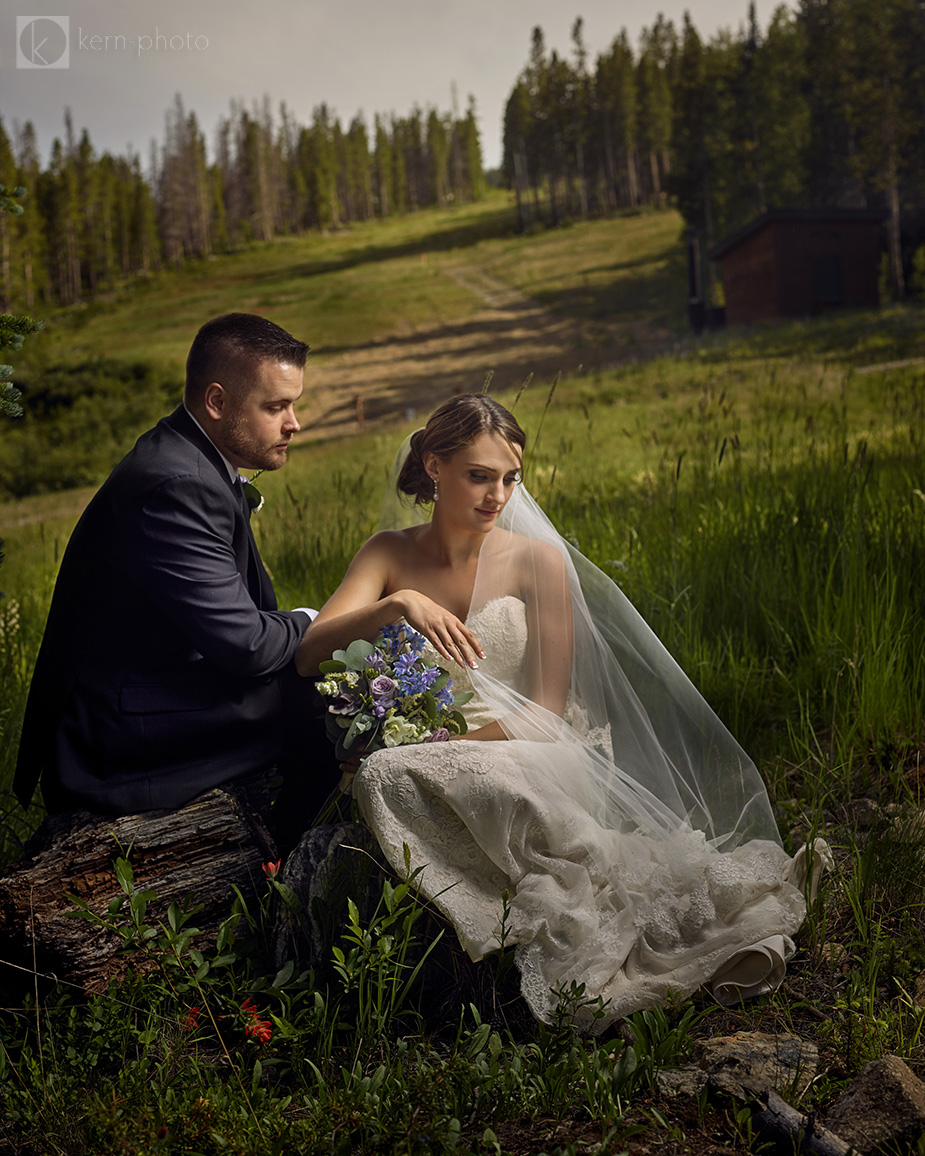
(384, 694)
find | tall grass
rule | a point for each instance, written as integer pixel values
(766, 513)
(767, 520)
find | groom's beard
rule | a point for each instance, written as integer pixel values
(248, 447)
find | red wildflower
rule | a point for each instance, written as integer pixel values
(191, 1019)
(256, 1028)
(259, 1030)
(271, 869)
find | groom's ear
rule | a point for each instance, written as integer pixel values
(214, 399)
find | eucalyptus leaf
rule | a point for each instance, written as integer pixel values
(357, 654)
(332, 666)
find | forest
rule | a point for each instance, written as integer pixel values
(823, 107)
(95, 219)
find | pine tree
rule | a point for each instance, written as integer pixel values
(438, 159)
(616, 102)
(13, 329)
(515, 167)
(383, 168)
(781, 111)
(466, 135)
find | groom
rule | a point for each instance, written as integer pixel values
(166, 668)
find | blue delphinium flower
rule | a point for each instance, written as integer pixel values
(392, 637)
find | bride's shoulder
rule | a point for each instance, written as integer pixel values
(534, 562)
(391, 543)
(538, 552)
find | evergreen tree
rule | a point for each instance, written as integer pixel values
(58, 203)
(466, 138)
(438, 159)
(30, 242)
(616, 103)
(383, 166)
(781, 112)
(13, 329)
(515, 167)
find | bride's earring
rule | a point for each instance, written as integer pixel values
(436, 491)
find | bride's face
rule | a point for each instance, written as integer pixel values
(476, 483)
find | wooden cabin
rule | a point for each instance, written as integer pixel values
(800, 262)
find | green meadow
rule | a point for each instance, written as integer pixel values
(759, 495)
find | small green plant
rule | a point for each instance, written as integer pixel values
(377, 969)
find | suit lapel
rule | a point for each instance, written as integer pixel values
(250, 565)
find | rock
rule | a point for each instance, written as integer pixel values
(338, 861)
(865, 813)
(332, 863)
(744, 1064)
(686, 1081)
(883, 1110)
(836, 955)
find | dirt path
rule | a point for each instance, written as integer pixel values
(511, 336)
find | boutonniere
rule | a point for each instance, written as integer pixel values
(252, 495)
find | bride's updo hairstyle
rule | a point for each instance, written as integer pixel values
(456, 424)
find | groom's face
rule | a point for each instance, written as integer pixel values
(258, 423)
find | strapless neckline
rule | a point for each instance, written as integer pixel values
(483, 609)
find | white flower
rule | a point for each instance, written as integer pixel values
(328, 687)
(350, 677)
(398, 731)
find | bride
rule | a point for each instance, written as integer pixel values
(595, 786)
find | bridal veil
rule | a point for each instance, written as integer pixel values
(656, 755)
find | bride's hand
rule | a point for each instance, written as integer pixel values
(447, 634)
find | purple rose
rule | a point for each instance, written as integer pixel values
(439, 736)
(383, 687)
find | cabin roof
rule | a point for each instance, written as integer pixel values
(775, 216)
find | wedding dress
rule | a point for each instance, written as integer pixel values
(633, 836)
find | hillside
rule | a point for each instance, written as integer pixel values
(397, 309)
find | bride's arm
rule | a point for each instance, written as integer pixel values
(359, 608)
(550, 630)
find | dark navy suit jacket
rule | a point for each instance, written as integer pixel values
(164, 661)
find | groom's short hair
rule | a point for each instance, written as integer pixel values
(229, 348)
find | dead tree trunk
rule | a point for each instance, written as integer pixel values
(218, 839)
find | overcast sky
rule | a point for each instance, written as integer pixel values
(369, 55)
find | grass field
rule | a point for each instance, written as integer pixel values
(761, 498)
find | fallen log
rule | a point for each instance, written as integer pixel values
(219, 839)
(779, 1123)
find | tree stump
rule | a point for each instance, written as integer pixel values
(219, 839)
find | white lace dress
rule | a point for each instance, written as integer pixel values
(632, 917)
